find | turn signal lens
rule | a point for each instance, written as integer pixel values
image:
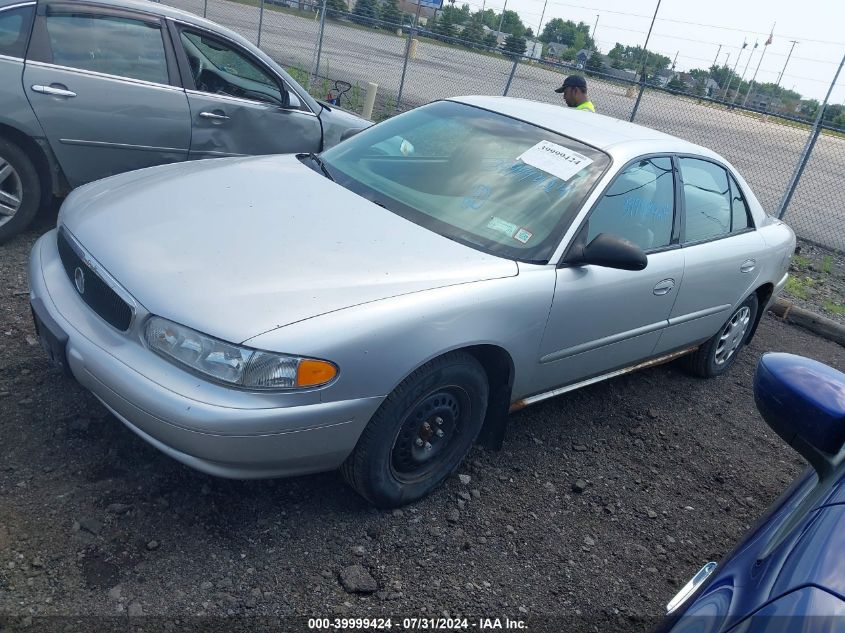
(311, 373)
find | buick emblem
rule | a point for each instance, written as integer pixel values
(79, 280)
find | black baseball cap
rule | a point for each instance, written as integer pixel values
(573, 81)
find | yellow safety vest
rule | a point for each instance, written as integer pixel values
(587, 105)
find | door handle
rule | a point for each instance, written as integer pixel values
(664, 287)
(747, 266)
(213, 116)
(50, 90)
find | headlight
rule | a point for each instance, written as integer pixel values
(234, 364)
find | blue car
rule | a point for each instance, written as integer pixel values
(788, 574)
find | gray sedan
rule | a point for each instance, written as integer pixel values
(98, 88)
(382, 306)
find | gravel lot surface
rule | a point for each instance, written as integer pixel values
(602, 504)
(765, 152)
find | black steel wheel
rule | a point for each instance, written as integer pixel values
(421, 432)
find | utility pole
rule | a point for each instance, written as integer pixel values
(675, 61)
(502, 19)
(542, 15)
(754, 78)
(645, 60)
(786, 62)
(744, 70)
(716, 59)
(731, 77)
(595, 26)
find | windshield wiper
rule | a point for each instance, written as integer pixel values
(322, 165)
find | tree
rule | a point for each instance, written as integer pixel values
(444, 26)
(473, 32)
(335, 8)
(595, 63)
(529, 33)
(512, 24)
(490, 41)
(631, 58)
(567, 32)
(389, 12)
(515, 44)
(676, 84)
(365, 10)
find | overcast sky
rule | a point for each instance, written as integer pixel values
(696, 28)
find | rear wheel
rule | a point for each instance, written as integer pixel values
(20, 190)
(720, 352)
(421, 432)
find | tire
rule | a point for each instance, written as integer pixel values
(717, 355)
(18, 180)
(420, 433)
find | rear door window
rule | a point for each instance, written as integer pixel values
(108, 44)
(15, 25)
(707, 200)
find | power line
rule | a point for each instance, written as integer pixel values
(691, 23)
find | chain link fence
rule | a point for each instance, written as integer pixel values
(413, 66)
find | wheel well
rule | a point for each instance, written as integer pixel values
(498, 365)
(764, 293)
(36, 154)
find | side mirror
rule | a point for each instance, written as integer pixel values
(609, 251)
(803, 401)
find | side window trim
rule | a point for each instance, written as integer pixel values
(27, 28)
(735, 188)
(679, 186)
(675, 236)
(41, 51)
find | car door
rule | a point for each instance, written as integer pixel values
(721, 249)
(238, 104)
(603, 319)
(104, 85)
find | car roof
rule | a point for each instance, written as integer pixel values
(618, 138)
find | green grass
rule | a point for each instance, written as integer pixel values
(827, 264)
(800, 261)
(835, 308)
(798, 287)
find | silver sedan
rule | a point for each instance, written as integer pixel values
(382, 306)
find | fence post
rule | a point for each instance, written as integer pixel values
(316, 72)
(808, 148)
(205, 9)
(510, 78)
(260, 22)
(637, 102)
(411, 33)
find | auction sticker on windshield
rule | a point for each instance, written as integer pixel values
(555, 159)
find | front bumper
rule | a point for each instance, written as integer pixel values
(209, 427)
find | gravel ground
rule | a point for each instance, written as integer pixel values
(601, 505)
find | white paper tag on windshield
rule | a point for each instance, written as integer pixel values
(555, 159)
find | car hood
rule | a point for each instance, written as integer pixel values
(237, 247)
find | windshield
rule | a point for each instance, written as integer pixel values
(498, 184)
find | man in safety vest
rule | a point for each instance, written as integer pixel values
(574, 91)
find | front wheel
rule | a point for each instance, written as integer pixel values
(420, 433)
(720, 352)
(20, 190)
